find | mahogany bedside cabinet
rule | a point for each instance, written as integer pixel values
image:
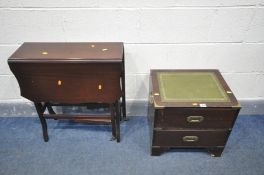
(190, 109)
(58, 74)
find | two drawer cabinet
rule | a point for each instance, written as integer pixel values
(190, 109)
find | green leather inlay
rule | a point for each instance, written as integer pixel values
(190, 87)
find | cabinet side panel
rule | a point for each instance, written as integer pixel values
(151, 112)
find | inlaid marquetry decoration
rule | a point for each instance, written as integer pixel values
(44, 53)
(59, 82)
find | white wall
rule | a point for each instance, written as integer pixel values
(222, 34)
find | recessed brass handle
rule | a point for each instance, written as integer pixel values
(190, 139)
(195, 119)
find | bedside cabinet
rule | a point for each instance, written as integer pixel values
(190, 109)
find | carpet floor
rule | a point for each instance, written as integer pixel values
(81, 149)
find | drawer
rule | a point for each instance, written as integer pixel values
(72, 89)
(183, 138)
(195, 118)
(69, 83)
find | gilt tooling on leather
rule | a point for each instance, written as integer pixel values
(191, 86)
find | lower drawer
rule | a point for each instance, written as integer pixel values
(190, 138)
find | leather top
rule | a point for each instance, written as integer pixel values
(191, 86)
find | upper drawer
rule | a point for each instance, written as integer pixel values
(196, 118)
(69, 83)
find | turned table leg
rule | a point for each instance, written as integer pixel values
(40, 110)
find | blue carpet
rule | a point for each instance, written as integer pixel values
(84, 149)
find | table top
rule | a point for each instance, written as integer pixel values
(72, 52)
(191, 88)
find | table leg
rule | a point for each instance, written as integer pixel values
(50, 109)
(40, 110)
(117, 117)
(113, 120)
(123, 90)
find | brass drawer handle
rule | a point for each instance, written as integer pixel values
(190, 139)
(195, 119)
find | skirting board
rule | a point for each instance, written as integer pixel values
(134, 108)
